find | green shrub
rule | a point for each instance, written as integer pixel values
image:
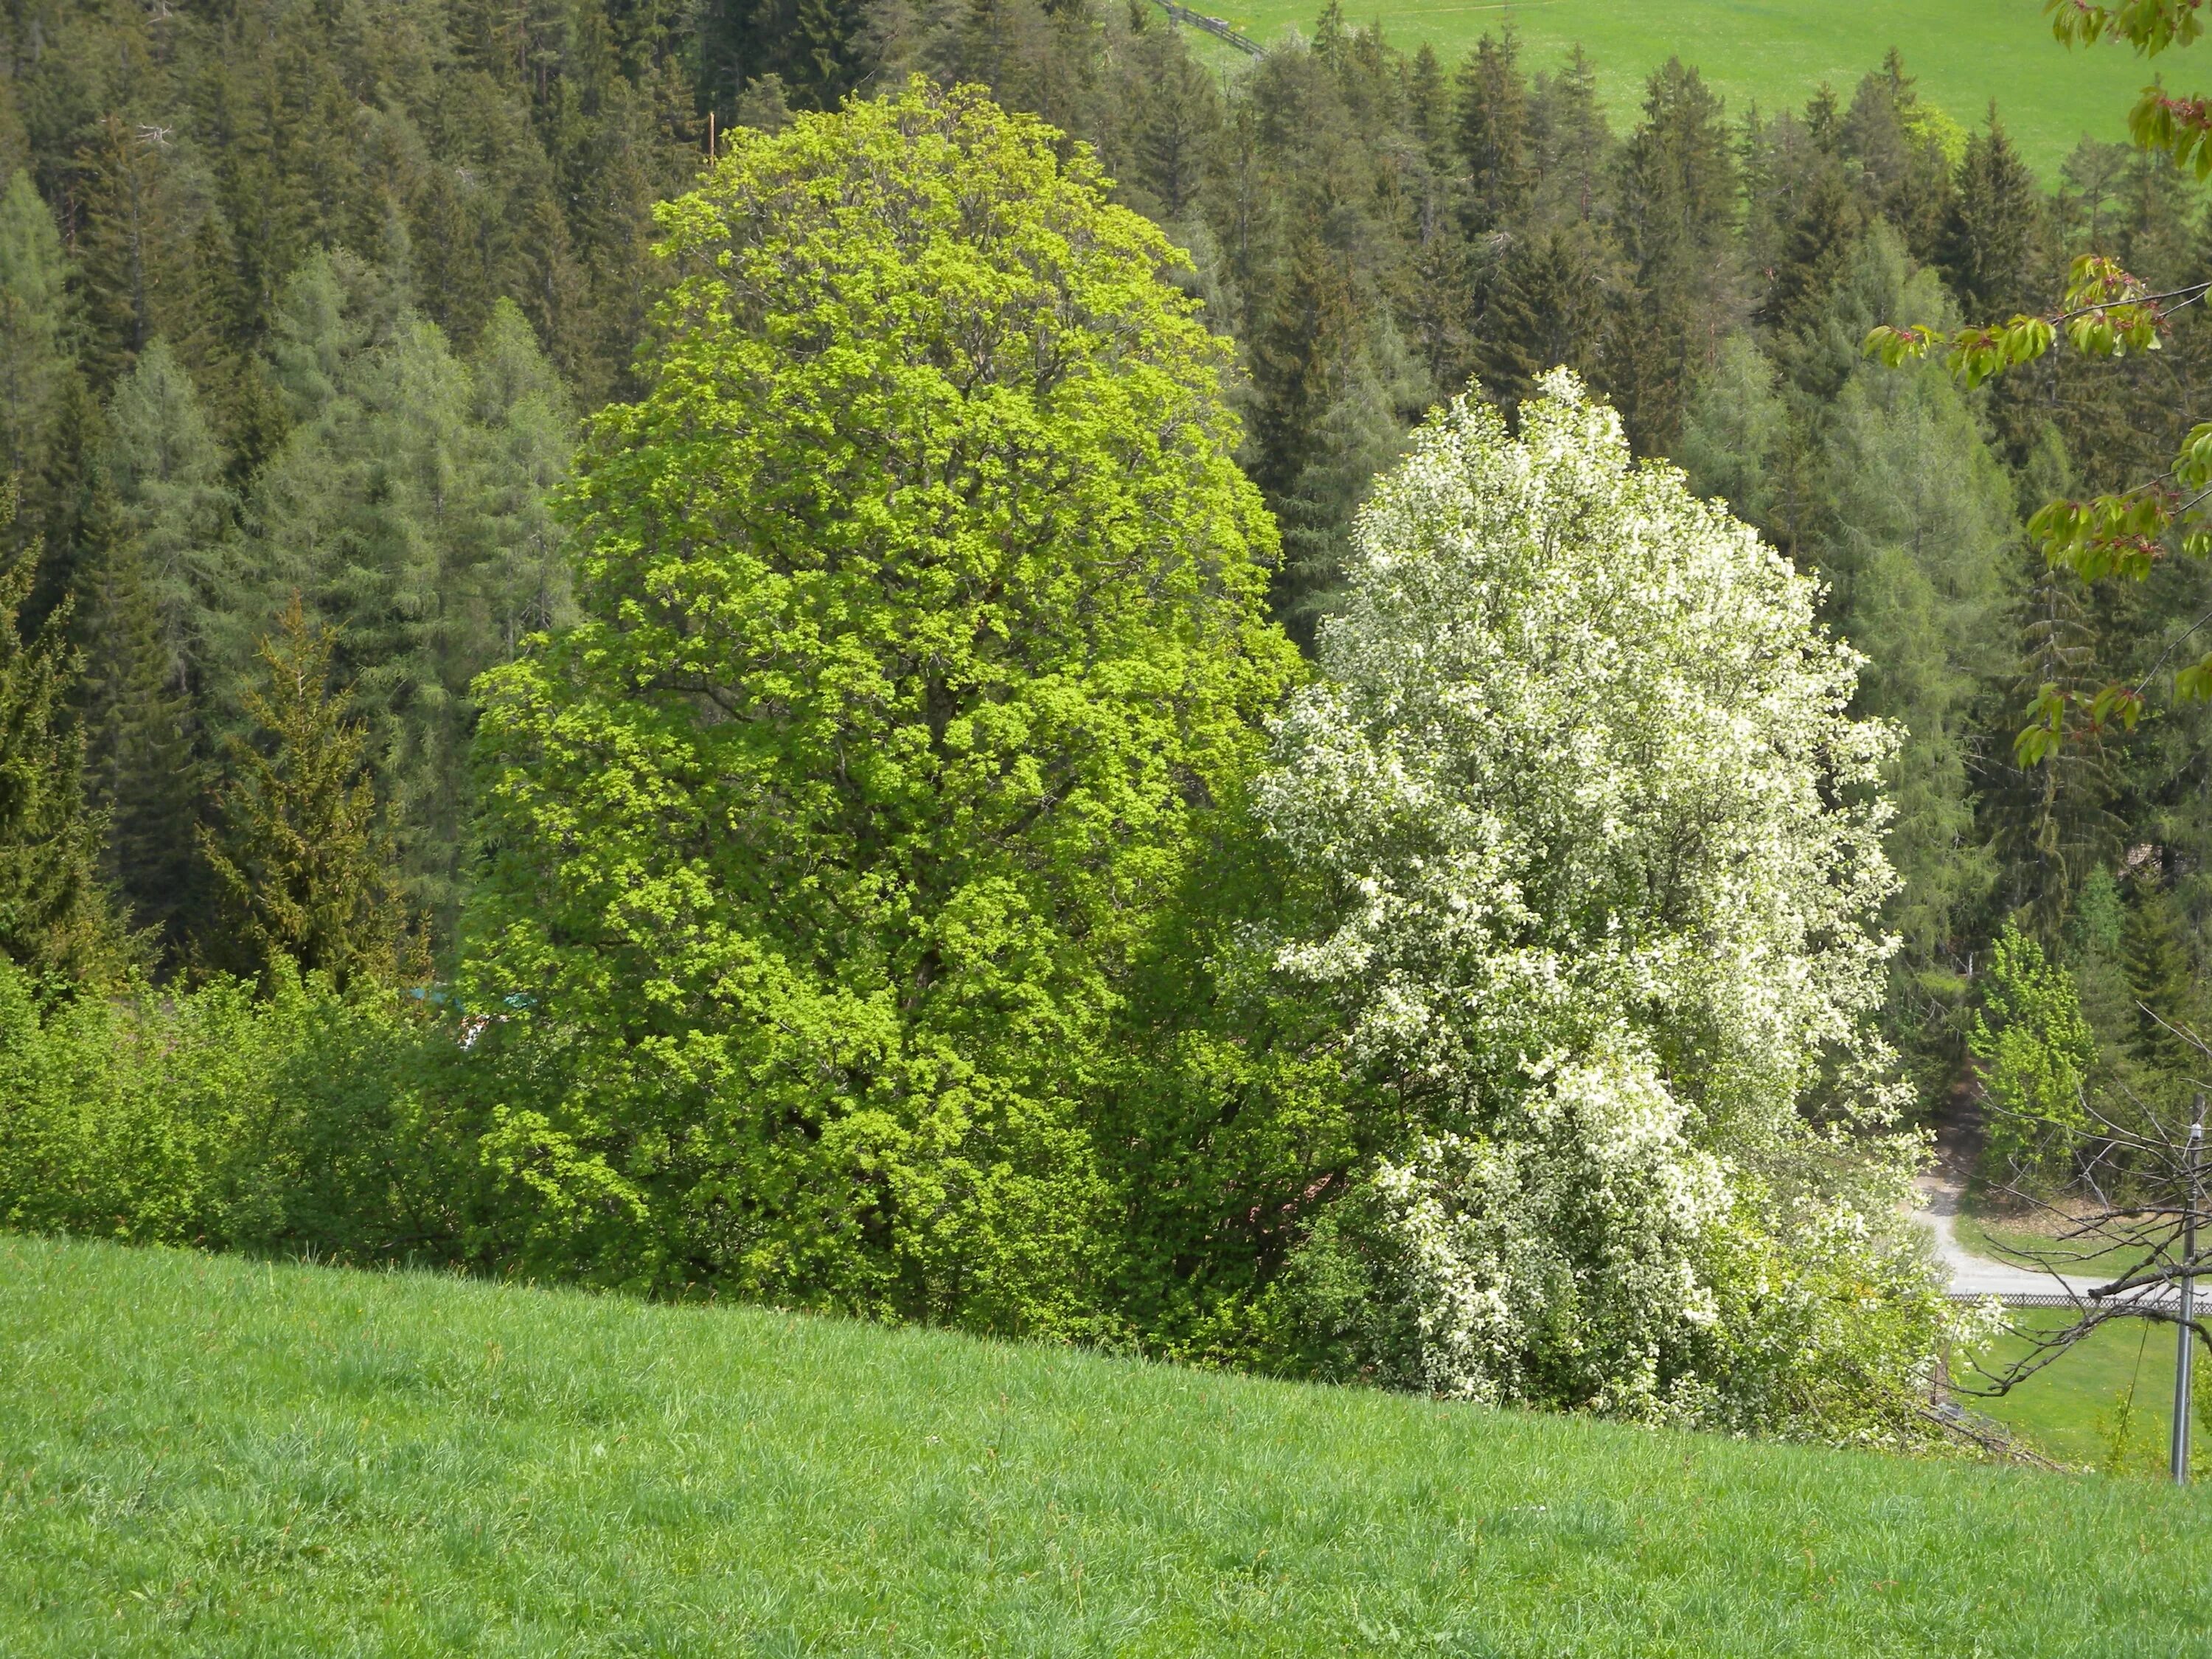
(2035, 1053)
(303, 1119)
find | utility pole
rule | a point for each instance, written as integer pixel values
(2185, 1349)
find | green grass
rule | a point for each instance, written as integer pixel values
(2080, 1258)
(206, 1456)
(2073, 1411)
(1777, 53)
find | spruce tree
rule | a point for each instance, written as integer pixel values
(1376, 391)
(133, 250)
(1678, 203)
(1990, 236)
(1429, 103)
(141, 771)
(1572, 146)
(1815, 250)
(1902, 173)
(1556, 301)
(1491, 133)
(301, 867)
(54, 915)
(34, 356)
(2161, 980)
(1176, 123)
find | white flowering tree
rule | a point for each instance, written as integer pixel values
(1599, 846)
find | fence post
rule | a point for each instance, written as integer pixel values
(2185, 1346)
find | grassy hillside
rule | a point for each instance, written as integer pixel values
(1776, 53)
(203, 1456)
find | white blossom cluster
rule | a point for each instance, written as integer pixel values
(1601, 842)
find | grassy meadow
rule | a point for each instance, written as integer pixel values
(218, 1457)
(1777, 53)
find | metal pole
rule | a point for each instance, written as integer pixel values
(2185, 1346)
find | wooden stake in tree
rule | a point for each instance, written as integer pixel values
(2135, 1198)
(303, 866)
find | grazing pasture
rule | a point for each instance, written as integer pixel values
(1777, 53)
(221, 1456)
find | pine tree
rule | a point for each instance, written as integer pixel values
(1990, 236)
(300, 864)
(1677, 207)
(1491, 133)
(54, 914)
(1555, 303)
(34, 358)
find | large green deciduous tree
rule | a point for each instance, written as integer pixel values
(922, 631)
(1602, 845)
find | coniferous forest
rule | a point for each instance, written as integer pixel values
(441, 818)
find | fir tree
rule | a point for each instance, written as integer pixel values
(1554, 304)
(54, 915)
(1492, 132)
(1990, 236)
(1678, 203)
(303, 870)
(34, 358)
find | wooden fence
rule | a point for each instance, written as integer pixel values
(1212, 26)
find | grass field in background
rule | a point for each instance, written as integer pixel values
(2106, 1404)
(214, 1457)
(1777, 53)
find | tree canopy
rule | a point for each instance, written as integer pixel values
(1603, 841)
(922, 624)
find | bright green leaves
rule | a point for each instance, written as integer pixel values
(2125, 533)
(2108, 313)
(923, 625)
(2107, 535)
(2180, 127)
(2150, 26)
(2095, 712)
(1972, 355)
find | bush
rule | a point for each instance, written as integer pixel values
(302, 1120)
(2035, 1053)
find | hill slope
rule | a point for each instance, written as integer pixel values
(1777, 53)
(211, 1456)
